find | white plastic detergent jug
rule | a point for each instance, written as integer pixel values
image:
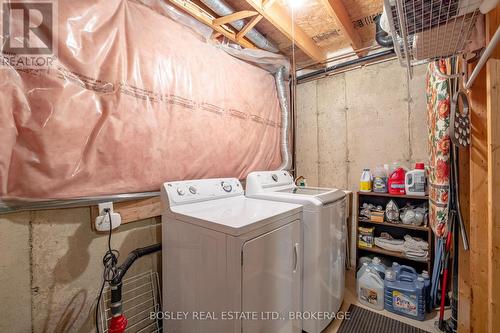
(365, 182)
(371, 289)
(415, 180)
(361, 271)
(378, 266)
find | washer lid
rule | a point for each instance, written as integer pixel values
(234, 215)
(279, 186)
(307, 196)
(305, 190)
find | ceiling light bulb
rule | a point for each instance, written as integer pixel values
(296, 3)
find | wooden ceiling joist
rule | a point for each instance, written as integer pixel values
(267, 3)
(248, 27)
(208, 19)
(234, 17)
(337, 10)
(279, 18)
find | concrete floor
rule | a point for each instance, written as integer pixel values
(350, 297)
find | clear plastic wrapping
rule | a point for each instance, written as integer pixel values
(135, 99)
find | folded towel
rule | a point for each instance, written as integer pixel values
(417, 255)
(390, 244)
(411, 247)
(415, 243)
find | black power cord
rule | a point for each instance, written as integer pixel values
(109, 261)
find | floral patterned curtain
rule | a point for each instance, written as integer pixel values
(438, 118)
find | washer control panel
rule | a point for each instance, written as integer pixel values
(188, 191)
(271, 178)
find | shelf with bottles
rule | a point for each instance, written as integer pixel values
(397, 230)
(395, 180)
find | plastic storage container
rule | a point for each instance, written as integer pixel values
(380, 180)
(415, 180)
(404, 293)
(365, 182)
(371, 289)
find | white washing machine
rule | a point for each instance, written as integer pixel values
(230, 263)
(325, 234)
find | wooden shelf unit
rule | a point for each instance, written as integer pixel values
(398, 230)
(379, 250)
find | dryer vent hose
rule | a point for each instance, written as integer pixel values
(382, 37)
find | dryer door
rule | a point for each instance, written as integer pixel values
(271, 280)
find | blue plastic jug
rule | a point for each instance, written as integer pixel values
(427, 284)
(404, 293)
(403, 269)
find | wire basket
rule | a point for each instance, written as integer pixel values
(427, 30)
(141, 296)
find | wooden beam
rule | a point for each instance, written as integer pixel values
(133, 210)
(337, 10)
(234, 17)
(464, 291)
(493, 107)
(277, 16)
(248, 27)
(207, 19)
(478, 266)
(267, 3)
(484, 256)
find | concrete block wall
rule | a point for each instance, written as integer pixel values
(360, 119)
(51, 264)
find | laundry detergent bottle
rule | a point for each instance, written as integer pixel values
(380, 179)
(427, 287)
(371, 289)
(415, 180)
(396, 181)
(365, 182)
(378, 266)
(404, 293)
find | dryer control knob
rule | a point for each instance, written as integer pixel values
(226, 186)
(192, 189)
(180, 191)
(274, 177)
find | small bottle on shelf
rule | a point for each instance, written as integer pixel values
(365, 182)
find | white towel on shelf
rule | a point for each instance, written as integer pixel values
(386, 242)
(412, 247)
(415, 244)
(415, 248)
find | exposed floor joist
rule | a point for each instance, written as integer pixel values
(267, 3)
(248, 27)
(205, 18)
(337, 9)
(280, 19)
(234, 17)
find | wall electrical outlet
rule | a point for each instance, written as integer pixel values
(102, 222)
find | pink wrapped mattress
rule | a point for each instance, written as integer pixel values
(134, 100)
